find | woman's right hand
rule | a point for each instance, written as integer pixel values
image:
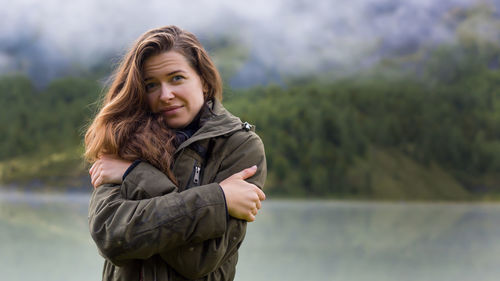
(108, 169)
(242, 198)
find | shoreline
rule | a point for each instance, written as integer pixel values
(14, 193)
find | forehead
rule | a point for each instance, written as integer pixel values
(166, 62)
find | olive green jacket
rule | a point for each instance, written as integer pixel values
(147, 228)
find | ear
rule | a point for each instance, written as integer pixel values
(205, 88)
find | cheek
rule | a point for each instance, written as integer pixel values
(199, 101)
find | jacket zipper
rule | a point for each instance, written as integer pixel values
(195, 177)
(197, 170)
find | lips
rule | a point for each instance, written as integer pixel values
(171, 109)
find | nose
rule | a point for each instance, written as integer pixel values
(166, 92)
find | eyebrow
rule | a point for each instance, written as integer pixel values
(168, 74)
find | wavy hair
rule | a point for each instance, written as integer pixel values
(124, 125)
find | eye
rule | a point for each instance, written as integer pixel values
(177, 78)
(150, 86)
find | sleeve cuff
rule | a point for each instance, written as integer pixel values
(225, 202)
(130, 168)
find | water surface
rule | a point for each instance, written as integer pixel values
(45, 237)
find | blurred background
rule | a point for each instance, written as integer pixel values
(380, 118)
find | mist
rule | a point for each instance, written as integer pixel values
(47, 39)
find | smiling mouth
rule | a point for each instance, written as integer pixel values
(171, 110)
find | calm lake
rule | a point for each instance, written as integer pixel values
(45, 237)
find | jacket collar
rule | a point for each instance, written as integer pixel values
(215, 121)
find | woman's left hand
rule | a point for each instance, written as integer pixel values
(242, 198)
(108, 169)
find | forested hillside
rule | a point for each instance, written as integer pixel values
(426, 128)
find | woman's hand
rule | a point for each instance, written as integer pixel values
(108, 169)
(242, 198)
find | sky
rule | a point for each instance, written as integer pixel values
(45, 38)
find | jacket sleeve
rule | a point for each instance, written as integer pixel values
(198, 259)
(137, 229)
(244, 154)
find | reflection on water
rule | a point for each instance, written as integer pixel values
(45, 237)
(372, 241)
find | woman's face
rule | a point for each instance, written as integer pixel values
(173, 88)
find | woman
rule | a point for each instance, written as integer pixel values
(183, 215)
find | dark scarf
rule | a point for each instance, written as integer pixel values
(185, 133)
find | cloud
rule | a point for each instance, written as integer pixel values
(282, 36)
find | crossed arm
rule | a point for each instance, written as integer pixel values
(137, 229)
(243, 198)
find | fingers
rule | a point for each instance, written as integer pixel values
(251, 218)
(258, 205)
(260, 193)
(243, 198)
(254, 211)
(95, 183)
(95, 179)
(252, 215)
(95, 167)
(248, 172)
(242, 175)
(97, 164)
(108, 169)
(92, 168)
(92, 181)
(95, 172)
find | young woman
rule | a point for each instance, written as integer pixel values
(176, 175)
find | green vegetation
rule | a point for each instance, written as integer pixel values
(429, 132)
(423, 127)
(42, 129)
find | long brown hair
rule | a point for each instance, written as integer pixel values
(124, 125)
